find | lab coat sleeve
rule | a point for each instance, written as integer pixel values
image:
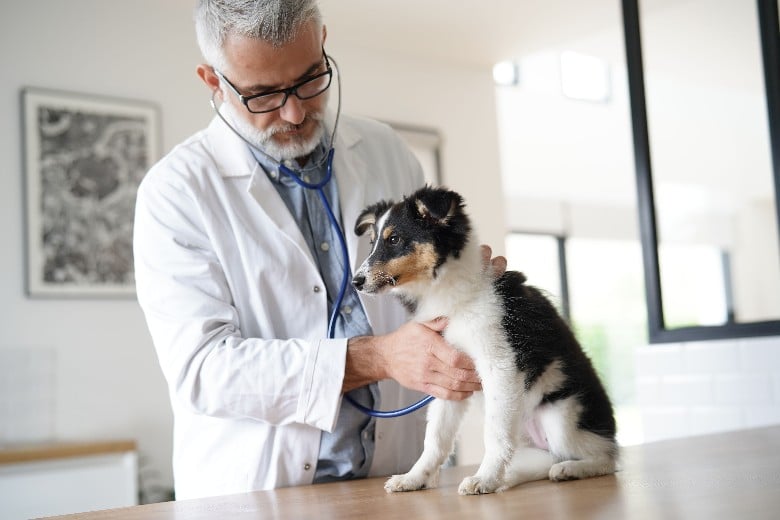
(210, 367)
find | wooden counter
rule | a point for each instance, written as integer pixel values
(733, 475)
(28, 452)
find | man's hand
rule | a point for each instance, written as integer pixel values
(417, 357)
(498, 264)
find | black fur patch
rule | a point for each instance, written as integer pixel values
(539, 337)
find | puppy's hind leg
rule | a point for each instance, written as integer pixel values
(444, 418)
(582, 453)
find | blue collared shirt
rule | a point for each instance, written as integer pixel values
(346, 452)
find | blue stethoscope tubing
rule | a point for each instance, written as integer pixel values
(319, 187)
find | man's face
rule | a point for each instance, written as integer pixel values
(254, 67)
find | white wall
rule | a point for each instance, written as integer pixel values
(102, 373)
(705, 387)
(104, 376)
(457, 100)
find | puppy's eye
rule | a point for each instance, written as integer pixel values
(393, 240)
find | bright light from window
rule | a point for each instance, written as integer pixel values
(506, 73)
(690, 296)
(536, 256)
(584, 77)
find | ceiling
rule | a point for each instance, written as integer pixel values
(475, 33)
(480, 34)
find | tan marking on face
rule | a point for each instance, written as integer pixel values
(417, 265)
(387, 232)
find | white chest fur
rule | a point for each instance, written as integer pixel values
(464, 293)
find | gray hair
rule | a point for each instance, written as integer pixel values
(273, 21)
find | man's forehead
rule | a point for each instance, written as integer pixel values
(256, 63)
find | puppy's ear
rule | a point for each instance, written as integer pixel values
(438, 205)
(368, 218)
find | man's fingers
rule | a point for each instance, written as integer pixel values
(444, 387)
(458, 359)
(448, 395)
(463, 379)
(437, 325)
(487, 253)
(499, 265)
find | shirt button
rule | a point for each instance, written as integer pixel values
(347, 309)
(307, 178)
(316, 288)
(325, 246)
(306, 467)
(288, 163)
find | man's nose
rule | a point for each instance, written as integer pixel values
(359, 281)
(293, 111)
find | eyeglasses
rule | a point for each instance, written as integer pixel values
(275, 99)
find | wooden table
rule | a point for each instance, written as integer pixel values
(733, 475)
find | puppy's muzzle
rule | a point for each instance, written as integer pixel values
(359, 281)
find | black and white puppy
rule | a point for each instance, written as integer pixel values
(547, 415)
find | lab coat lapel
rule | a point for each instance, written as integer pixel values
(266, 195)
(237, 160)
(350, 171)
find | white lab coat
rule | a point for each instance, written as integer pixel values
(235, 306)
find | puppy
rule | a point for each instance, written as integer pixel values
(547, 415)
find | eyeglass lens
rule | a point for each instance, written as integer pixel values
(305, 90)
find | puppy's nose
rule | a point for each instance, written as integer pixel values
(359, 281)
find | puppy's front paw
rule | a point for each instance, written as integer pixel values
(478, 486)
(408, 482)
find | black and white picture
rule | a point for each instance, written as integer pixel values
(84, 159)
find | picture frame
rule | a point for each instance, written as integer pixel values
(84, 157)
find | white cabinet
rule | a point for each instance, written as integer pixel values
(56, 479)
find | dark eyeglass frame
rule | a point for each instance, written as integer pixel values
(293, 90)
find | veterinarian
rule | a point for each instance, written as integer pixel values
(237, 269)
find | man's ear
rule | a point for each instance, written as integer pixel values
(368, 218)
(206, 74)
(437, 205)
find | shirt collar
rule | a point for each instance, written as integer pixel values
(271, 167)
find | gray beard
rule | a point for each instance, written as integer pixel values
(263, 139)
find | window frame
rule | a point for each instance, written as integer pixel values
(770, 48)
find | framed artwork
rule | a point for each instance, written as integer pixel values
(84, 157)
(425, 143)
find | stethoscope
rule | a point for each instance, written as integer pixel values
(319, 187)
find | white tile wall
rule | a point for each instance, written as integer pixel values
(704, 387)
(27, 394)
